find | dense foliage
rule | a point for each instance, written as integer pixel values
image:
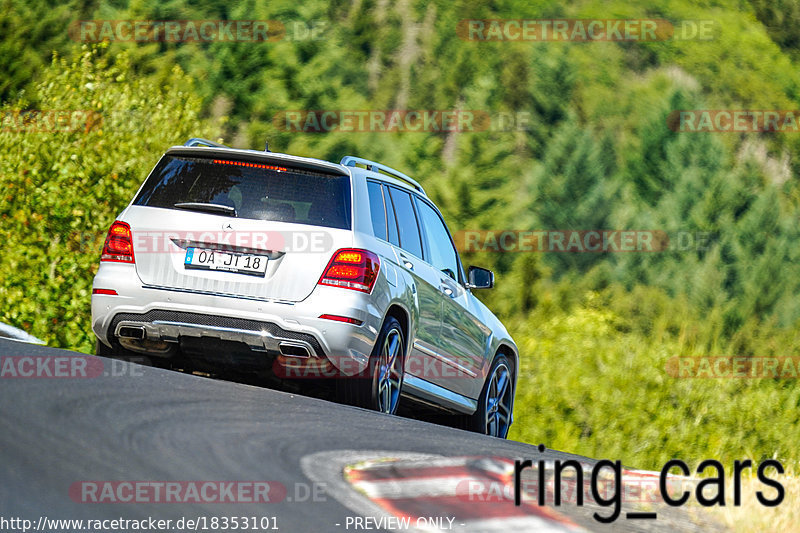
(62, 189)
(595, 330)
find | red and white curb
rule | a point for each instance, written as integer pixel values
(436, 487)
(421, 492)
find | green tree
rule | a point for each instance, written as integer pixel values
(63, 187)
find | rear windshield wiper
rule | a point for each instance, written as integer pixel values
(208, 208)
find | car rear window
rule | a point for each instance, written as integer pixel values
(255, 190)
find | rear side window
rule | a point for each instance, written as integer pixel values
(256, 191)
(377, 210)
(406, 222)
(391, 221)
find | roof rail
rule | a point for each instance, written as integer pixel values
(351, 161)
(197, 141)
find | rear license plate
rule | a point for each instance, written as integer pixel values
(201, 259)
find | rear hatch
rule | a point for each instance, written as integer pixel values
(231, 223)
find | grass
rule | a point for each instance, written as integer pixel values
(594, 382)
(752, 517)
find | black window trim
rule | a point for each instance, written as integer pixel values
(387, 198)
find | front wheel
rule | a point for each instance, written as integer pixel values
(378, 387)
(493, 416)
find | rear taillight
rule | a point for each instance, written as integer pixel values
(119, 244)
(351, 268)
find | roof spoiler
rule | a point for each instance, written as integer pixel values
(313, 165)
(197, 141)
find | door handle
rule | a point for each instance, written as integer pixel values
(406, 263)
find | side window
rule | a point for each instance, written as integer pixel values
(394, 238)
(406, 222)
(442, 254)
(377, 211)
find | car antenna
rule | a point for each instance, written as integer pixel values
(266, 146)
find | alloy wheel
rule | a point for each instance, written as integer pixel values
(390, 372)
(499, 396)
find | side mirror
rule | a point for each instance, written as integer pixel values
(479, 278)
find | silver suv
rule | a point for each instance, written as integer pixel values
(310, 269)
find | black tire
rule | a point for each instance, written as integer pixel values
(102, 350)
(118, 352)
(378, 387)
(479, 421)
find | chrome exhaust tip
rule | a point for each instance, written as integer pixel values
(132, 332)
(294, 350)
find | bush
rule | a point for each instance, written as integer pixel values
(593, 381)
(62, 189)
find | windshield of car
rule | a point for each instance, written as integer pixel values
(248, 190)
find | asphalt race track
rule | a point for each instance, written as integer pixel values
(140, 424)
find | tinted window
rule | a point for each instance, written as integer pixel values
(442, 254)
(406, 222)
(394, 238)
(377, 211)
(255, 192)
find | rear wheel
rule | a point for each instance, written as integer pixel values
(493, 416)
(378, 387)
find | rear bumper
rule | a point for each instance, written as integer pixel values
(269, 327)
(170, 325)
